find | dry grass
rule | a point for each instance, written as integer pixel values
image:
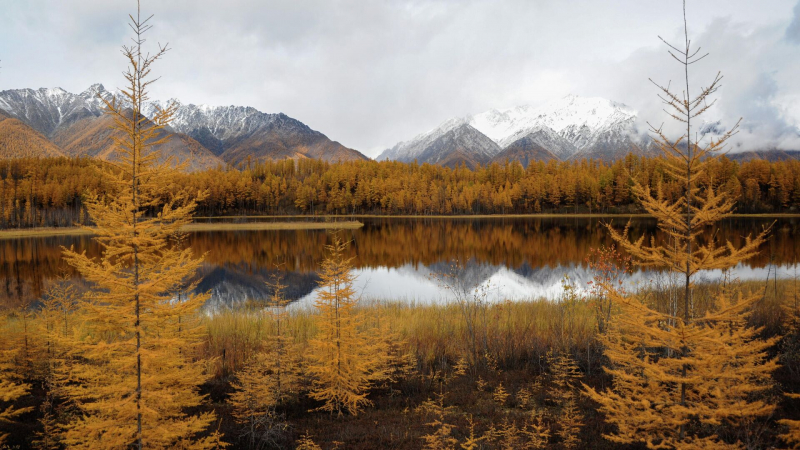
(254, 226)
(431, 216)
(217, 226)
(516, 333)
(477, 216)
(44, 232)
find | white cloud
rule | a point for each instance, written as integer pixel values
(369, 74)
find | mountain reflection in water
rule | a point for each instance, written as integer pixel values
(394, 259)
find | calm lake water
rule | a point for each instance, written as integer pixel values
(401, 259)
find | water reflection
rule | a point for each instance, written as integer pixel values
(394, 258)
(415, 284)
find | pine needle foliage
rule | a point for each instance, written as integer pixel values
(55, 321)
(135, 376)
(472, 441)
(792, 434)
(306, 443)
(500, 395)
(441, 437)
(681, 377)
(269, 378)
(11, 387)
(565, 375)
(254, 403)
(343, 359)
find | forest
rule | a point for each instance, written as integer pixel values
(50, 192)
(119, 354)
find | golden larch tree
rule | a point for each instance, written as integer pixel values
(136, 376)
(268, 379)
(680, 377)
(54, 321)
(565, 374)
(792, 434)
(441, 437)
(342, 358)
(11, 386)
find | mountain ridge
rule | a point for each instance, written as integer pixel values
(218, 134)
(567, 128)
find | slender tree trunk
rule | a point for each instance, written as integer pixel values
(134, 188)
(688, 291)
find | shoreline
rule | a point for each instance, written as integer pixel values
(486, 216)
(194, 227)
(342, 225)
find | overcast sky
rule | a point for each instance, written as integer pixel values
(369, 73)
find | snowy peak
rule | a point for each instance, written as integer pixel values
(94, 91)
(570, 126)
(571, 115)
(462, 144)
(408, 151)
(241, 133)
(47, 109)
(546, 138)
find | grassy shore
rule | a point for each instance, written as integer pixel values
(217, 226)
(351, 223)
(479, 216)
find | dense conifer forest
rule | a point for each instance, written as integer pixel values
(50, 192)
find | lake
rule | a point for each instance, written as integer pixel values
(403, 259)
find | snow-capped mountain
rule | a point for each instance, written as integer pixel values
(577, 119)
(49, 109)
(236, 133)
(227, 133)
(568, 128)
(410, 150)
(461, 145)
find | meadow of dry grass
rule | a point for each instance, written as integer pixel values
(207, 226)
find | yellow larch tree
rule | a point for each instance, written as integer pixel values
(680, 377)
(441, 437)
(565, 374)
(343, 361)
(306, 443)
(282, 365)
(268, 379)
(254, 402)
(54, 322)
(792, 434)
(11, 386)
(135, 375)
(472, 441)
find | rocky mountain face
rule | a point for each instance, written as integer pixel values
(236, 133)
(204, 136)
(463, 144)
(569, 128)
(525, 150)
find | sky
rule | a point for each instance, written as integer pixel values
(370, 73)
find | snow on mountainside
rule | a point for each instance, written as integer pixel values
(233, 133)
(546, 138)
(568, 127)
(574, 118)
(410, 150)
(48, 109)
(460, 145)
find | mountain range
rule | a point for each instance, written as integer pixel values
(569, 128)
(54, 122)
